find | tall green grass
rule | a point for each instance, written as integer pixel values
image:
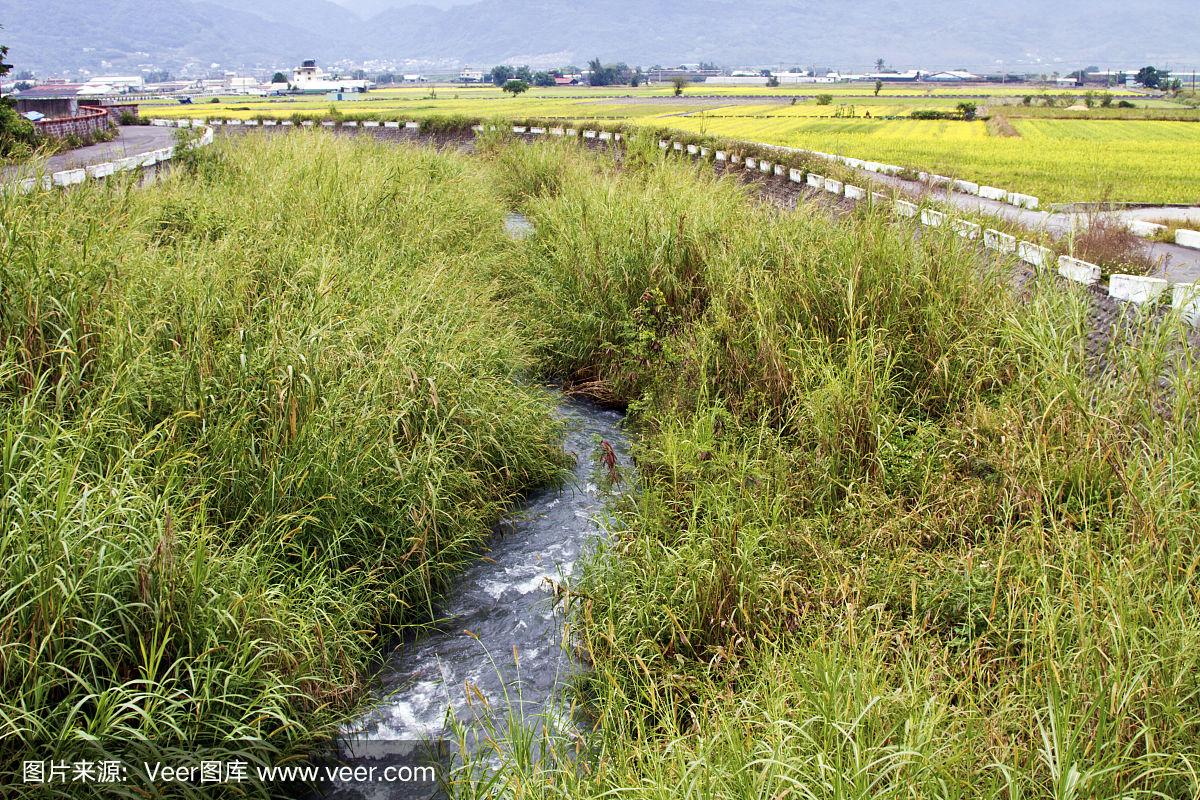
(251, 419)
(897, 533)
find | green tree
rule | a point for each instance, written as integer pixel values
(680, 83)
(279, 77)
(878, 87)
(824, 99)
(17, 134)
(515, 87)
(1152, 78)
(501, 74)
(879, 64)
(967, 109)
(542, 79)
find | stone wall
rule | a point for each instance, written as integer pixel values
(86, 124)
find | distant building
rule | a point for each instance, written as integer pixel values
(665, 75)
(120, 83)
(415, 79)
(308, 78)
(1066, 81)
(908, 76)
(57, 100)
(566, 80)
(471, 76)
(951, 76)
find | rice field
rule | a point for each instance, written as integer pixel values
(1055, 159)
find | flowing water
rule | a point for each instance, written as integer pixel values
(502, 635)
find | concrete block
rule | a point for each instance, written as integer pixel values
(692, 150)
(1186, 298)
(216, 122)
(934, 219)
(412, 125)
(557, 131)
(606, 136)
(270, 123)
(705, 152)
(751, 163)
(308, 123)
(371, 123)
(663, 144)
(197, 123)
(676, 146)
(183, 123)
(967, 229)
(833, 186)
(1036, 255)
(855, 192)
(127, 164)
(519, 129)
(595, 134)
(720, 155)
(1073, 269)
(101, 170)
(766, 167)
(1187, 238)
(69, 177)
(992, 193)
(905, 208)
(1136, 288)
(329, 123)
(572, 131)
(966, 186)
(148, 159)
(287, 123)
(237, 122)
(940, 180)
(997, 240)
(1147, 229)
(392, 123)
(796, 175)
(735, 158)
(780, 170)
(251, 122)
(816, 181)
(1022, 200)
(538, 131)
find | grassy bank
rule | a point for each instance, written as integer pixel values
(896, 533)
(251, 419)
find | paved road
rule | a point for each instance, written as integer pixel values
(1176, 264)
(131, 140)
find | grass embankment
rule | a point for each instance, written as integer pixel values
(893, 535)
(250, 418)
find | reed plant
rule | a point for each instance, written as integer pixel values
(898, 531)
(253, 419)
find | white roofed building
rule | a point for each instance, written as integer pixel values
(308, 78)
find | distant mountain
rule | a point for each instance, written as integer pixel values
(1017, 34)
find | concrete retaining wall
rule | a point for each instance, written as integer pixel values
(1136, 288)
(1186, 238)
(967, 229)
(1035, 255)
(934, 219)
(1185, 297)
(1073, 269)
(998, 240)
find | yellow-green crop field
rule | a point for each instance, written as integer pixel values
(1056, 159)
